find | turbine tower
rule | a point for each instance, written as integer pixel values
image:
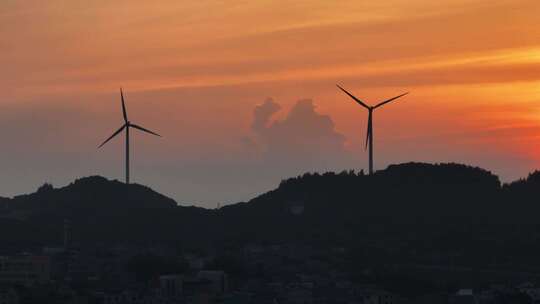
(369, 136)
(127, 124)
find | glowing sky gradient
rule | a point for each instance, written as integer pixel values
(195, 71)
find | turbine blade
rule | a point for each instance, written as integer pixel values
(111, 137)
(123, 106)
(143, 129)
(368, 135)
(389, 100)
(353, 97)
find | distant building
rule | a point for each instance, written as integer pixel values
(8, 296)
(377, 297)
(25, 270)
(51, 251)
(170, 286)
(237, 298)
(465, 292)
(388, 298)
(463, 296)
(133, 297)
(218, 280)
(195, 262)
(299, 295)
(531, 290)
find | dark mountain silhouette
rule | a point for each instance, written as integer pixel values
(95, 193)
(99, 209)
(399, 202)
(408, 207)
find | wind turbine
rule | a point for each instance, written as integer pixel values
(127, 124)
(369, 137)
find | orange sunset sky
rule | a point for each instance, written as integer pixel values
(244, 91)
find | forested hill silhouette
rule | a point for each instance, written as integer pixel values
(94, 192)
(406, 201)
(415, 188)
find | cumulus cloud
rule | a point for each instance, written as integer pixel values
(304, 137)
(262, 115)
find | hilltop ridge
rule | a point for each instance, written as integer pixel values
(92, 192)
